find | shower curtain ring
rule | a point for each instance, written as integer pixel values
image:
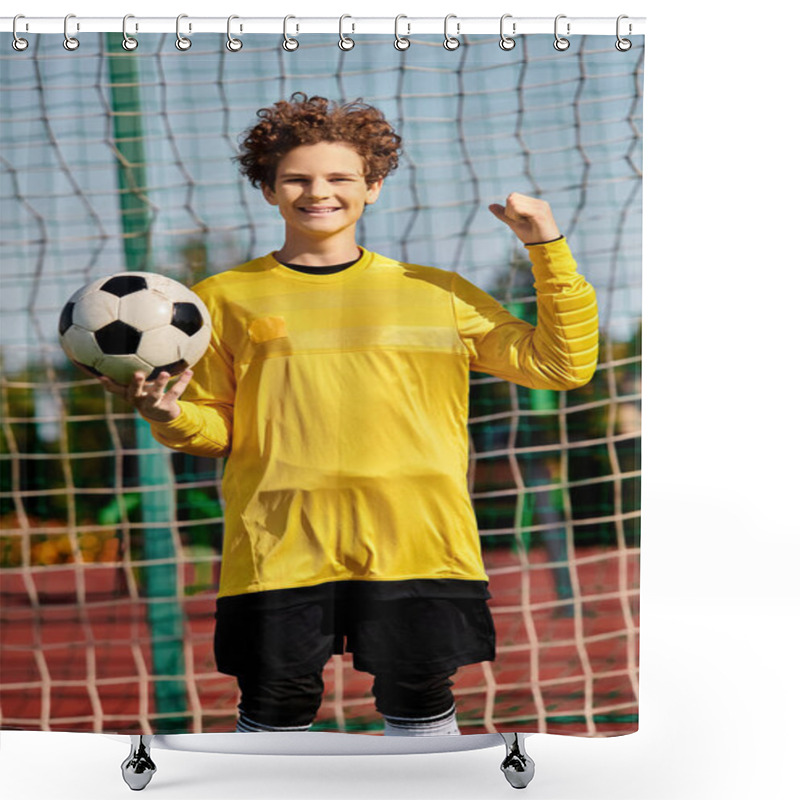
(400, 42)
(289, 44)
(623, 45)
(561, 44)
(450, 42)
(345, 42)
(19, 44)
(128, 42)
(182, 42)
(233, 44)
(70, 42)
(507, 42)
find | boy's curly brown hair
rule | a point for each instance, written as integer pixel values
(309, 120)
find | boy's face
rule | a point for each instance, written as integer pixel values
(320, 190)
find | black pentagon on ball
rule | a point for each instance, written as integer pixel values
(120, 285)
(175, 368)
(187, 317)
(118, 339)
(65, 320)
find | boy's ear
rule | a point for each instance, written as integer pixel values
(269, 195)
(373, 190)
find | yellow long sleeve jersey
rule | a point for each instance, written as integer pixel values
(341, 403)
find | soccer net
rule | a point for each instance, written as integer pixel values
(110, 545)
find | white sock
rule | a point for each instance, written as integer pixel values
(246, 725)
(439, 725)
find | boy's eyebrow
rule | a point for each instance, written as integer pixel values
(330, 174)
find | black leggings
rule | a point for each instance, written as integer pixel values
(294, 702)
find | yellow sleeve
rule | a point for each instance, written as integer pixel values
(205, 424)
(560, 352)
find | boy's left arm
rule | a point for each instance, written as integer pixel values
(561, 351)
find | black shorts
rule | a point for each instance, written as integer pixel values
(413, 627)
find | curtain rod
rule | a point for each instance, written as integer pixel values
(74, 24)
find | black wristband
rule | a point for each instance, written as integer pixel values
(533, 244)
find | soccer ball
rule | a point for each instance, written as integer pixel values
(134, 322)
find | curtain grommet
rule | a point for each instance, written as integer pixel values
(181, 42)
(233, 44)
(450, 42)
(507, 42)
(561, 43)
(401, 42)
(71, 43)
(289, 44)
(345, 42)
(18, 43)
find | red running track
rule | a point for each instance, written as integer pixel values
(71, 669)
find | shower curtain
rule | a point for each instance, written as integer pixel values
(110, 548)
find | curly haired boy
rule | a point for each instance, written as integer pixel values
(336, 385)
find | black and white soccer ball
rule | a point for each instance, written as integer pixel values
(134, 322)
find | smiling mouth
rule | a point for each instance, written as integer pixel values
(311, 210)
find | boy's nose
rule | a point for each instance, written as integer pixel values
(318, 189)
